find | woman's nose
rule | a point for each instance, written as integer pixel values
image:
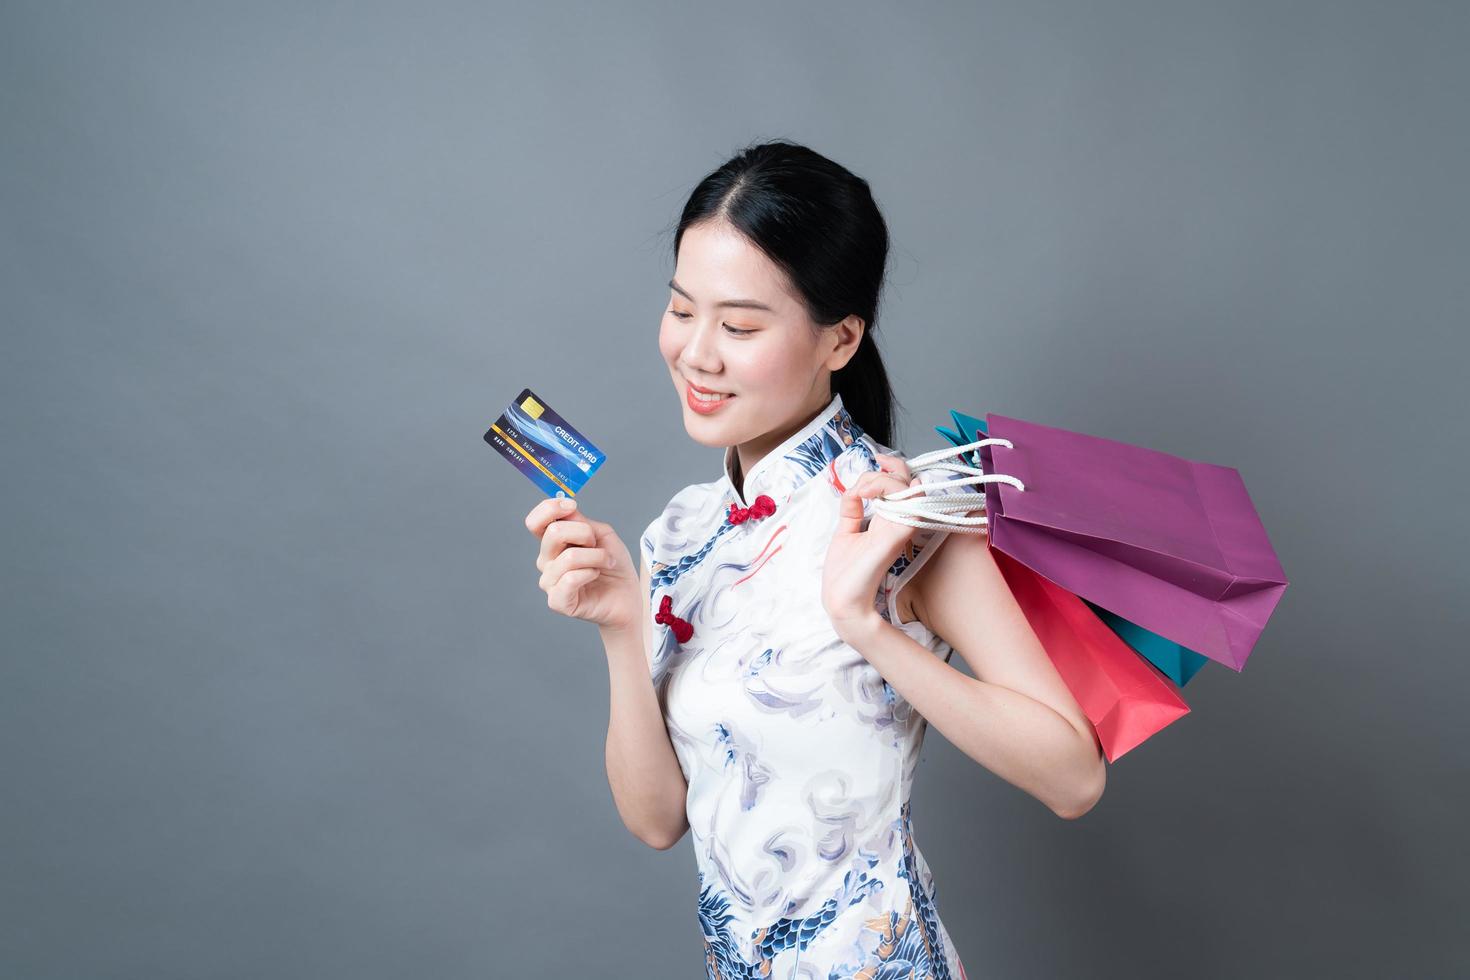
(699, 352)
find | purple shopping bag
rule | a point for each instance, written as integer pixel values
(1171, 544)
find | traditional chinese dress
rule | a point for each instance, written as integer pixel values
(799, 756)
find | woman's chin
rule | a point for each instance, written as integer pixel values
(704, 433)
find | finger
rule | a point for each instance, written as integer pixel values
(869, 478)
(563, 595)
(561, 533)
(850, 513)
(574, 558)
(897, 483)
(896, 465)
(559, 536)
(912, 483)
(548, 510)
(877, 484)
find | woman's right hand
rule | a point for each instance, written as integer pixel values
(586, 570)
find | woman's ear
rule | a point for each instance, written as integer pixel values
(848, 334)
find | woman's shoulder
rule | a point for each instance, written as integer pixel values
(693, 497)
(690, 511)
(864, 445)
(861, 455)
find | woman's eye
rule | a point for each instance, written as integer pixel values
(737, 331)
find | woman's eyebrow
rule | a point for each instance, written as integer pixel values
(745, 304)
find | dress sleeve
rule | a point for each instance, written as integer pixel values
(661, 638)
(645, 547)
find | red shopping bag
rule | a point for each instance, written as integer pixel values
(1126, 698)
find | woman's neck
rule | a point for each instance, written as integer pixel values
(770, 442)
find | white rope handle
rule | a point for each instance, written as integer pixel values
(914, 507)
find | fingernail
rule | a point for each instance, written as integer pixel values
(612, 563)
(567, 503)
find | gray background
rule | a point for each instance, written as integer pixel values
(280, 695)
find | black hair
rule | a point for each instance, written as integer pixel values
(818, 222)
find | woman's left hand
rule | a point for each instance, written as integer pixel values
(856, 559)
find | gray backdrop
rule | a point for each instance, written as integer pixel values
(280, 695)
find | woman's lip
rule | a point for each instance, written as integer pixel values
(707, 391)
(703, 408)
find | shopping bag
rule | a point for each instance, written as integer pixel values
(1177, 662)
(1125, 697)
(1172, 545)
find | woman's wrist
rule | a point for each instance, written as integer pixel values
(630, 623)
(618, 632)
(858, 627)
(622, 643)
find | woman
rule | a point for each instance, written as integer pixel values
(775, 663)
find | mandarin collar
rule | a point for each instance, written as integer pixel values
(803, 455)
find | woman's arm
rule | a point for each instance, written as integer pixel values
(1016, 716)
(647, 783)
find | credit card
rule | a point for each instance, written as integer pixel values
(540, 443)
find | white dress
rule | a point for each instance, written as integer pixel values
(799, 756)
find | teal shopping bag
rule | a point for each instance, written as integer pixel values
(1179, 663)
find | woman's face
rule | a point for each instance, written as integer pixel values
(734, 326)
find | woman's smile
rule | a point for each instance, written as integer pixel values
(702, 400)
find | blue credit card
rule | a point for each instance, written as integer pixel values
(540, 443)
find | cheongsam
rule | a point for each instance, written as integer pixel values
(799, 756)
